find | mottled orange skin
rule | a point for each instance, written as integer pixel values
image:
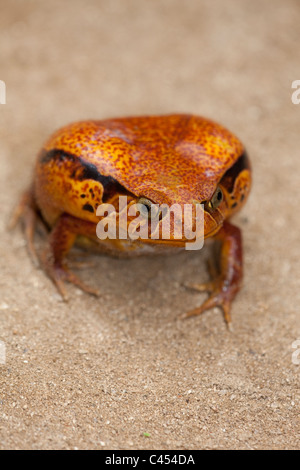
(167, 159)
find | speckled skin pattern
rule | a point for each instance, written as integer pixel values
(180, 159)
(168, 159)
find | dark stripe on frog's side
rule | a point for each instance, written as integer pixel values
(230, 176)
(84, 171)
(46, 156)
(88, 207)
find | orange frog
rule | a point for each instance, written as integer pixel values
(173, 159)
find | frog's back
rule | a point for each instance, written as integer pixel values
(152, 155)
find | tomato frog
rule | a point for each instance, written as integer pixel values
(178, 158)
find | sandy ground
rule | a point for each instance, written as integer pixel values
(124, 372)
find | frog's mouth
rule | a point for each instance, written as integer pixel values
(213, 222)
(184, 229)
(212, 233)
(160, 241)
(180, 242)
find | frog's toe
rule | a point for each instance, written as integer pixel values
(221, 297)
(59, 274)
(76, 264)
(27, 213)
(73, 279)
(211, 302)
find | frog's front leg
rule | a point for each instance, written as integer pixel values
(230, 273)
(61, 239)
(27, 211)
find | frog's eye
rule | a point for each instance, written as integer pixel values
(216, 199)
(149, 208)
(146, 206)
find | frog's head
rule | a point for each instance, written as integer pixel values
(170, 212)
(229, 195)
(171, 160)
(191, 212)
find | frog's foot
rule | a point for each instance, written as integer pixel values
(60, 241)
(26, 211)
(76, 264)
(59, 273)
(228, 278)
(78, 261)
(221, 296)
